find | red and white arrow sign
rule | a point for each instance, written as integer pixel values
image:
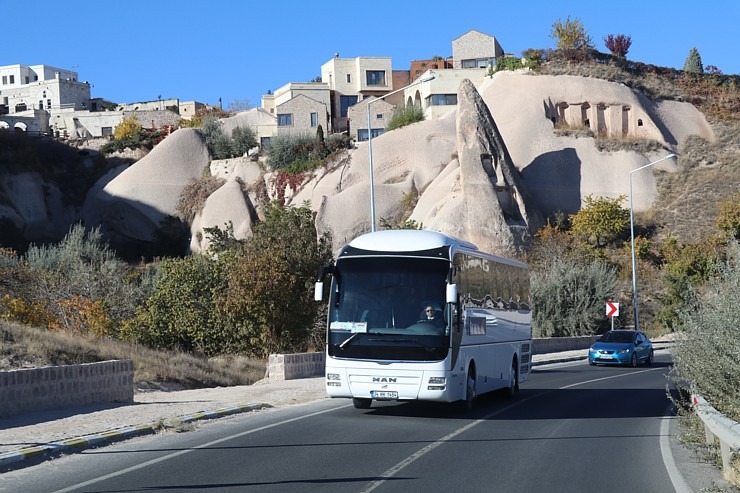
(612, 309)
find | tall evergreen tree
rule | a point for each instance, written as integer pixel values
(693, 62)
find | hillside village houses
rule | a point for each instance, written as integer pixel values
(47, 100)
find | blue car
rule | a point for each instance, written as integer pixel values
(621, 347)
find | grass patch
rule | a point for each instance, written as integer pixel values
(28, 347)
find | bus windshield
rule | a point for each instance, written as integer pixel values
(389, 308)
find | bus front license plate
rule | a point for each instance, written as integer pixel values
(382, 394)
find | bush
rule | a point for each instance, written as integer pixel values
(193, 197)
(81, 285)
(508, 63)
(180, 314)
(242, 140)
(568, 296)
(602, 220)
(705, 354)
(268, 290)
(302, 152)
(618, 45)
(405, 115)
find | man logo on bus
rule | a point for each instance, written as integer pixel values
(385, 379)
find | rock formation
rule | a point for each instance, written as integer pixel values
(134, 206)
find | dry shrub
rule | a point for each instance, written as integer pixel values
(193, 197)
(23, 347)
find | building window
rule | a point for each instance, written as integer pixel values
(344, 103)
(48, 104)
(105, 131)
(12, 79)
(5, 79)
(362, 133)
(41, 105)
(265, 141)
(28, 81)
(379, 116)
(349, 78)
(35, 78)
(285, 119)
(314, 119)
(469, 64)
(375, 77)
(442, 100)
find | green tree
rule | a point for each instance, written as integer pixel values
(570, 35)
(601, 220)
(181, 314)
(693, 62)
(242, 140)
(268, 289)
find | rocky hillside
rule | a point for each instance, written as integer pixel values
(518, 150)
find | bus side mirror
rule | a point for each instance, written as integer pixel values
(318, 291)
(452, 293)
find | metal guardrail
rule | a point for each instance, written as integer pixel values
(719, 427)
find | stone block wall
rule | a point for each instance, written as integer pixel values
(557, 344)
(55, 387)
(293, 366)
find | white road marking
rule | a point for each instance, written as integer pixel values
(422, 452)
(183, 452)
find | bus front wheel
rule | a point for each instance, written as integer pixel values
(470, 394)
(361, 403)
(513, 378)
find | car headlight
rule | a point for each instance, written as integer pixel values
(624, 351)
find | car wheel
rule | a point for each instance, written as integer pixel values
(591, 363)
(513, 379)
(633, 362)
(470, 390)
(361, 403)
(649, 361)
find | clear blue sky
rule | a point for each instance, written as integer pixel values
(137, 50)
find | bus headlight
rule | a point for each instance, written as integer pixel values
(436, 380)
(333, 380)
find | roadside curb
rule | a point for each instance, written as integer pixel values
(23, 457)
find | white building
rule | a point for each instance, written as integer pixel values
(41, 87)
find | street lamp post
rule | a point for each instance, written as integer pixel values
(370, 144)
(632, 241)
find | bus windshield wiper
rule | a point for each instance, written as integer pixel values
(347, 340)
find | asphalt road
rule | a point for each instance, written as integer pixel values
(571, 428)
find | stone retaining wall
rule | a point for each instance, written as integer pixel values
(557, 344)
(292, 366)
(56, 387)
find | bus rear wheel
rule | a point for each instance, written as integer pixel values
(361, 403)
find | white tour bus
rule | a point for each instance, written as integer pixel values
(381, 344)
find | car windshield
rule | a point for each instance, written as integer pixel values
(613, 336)
(378, 309)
